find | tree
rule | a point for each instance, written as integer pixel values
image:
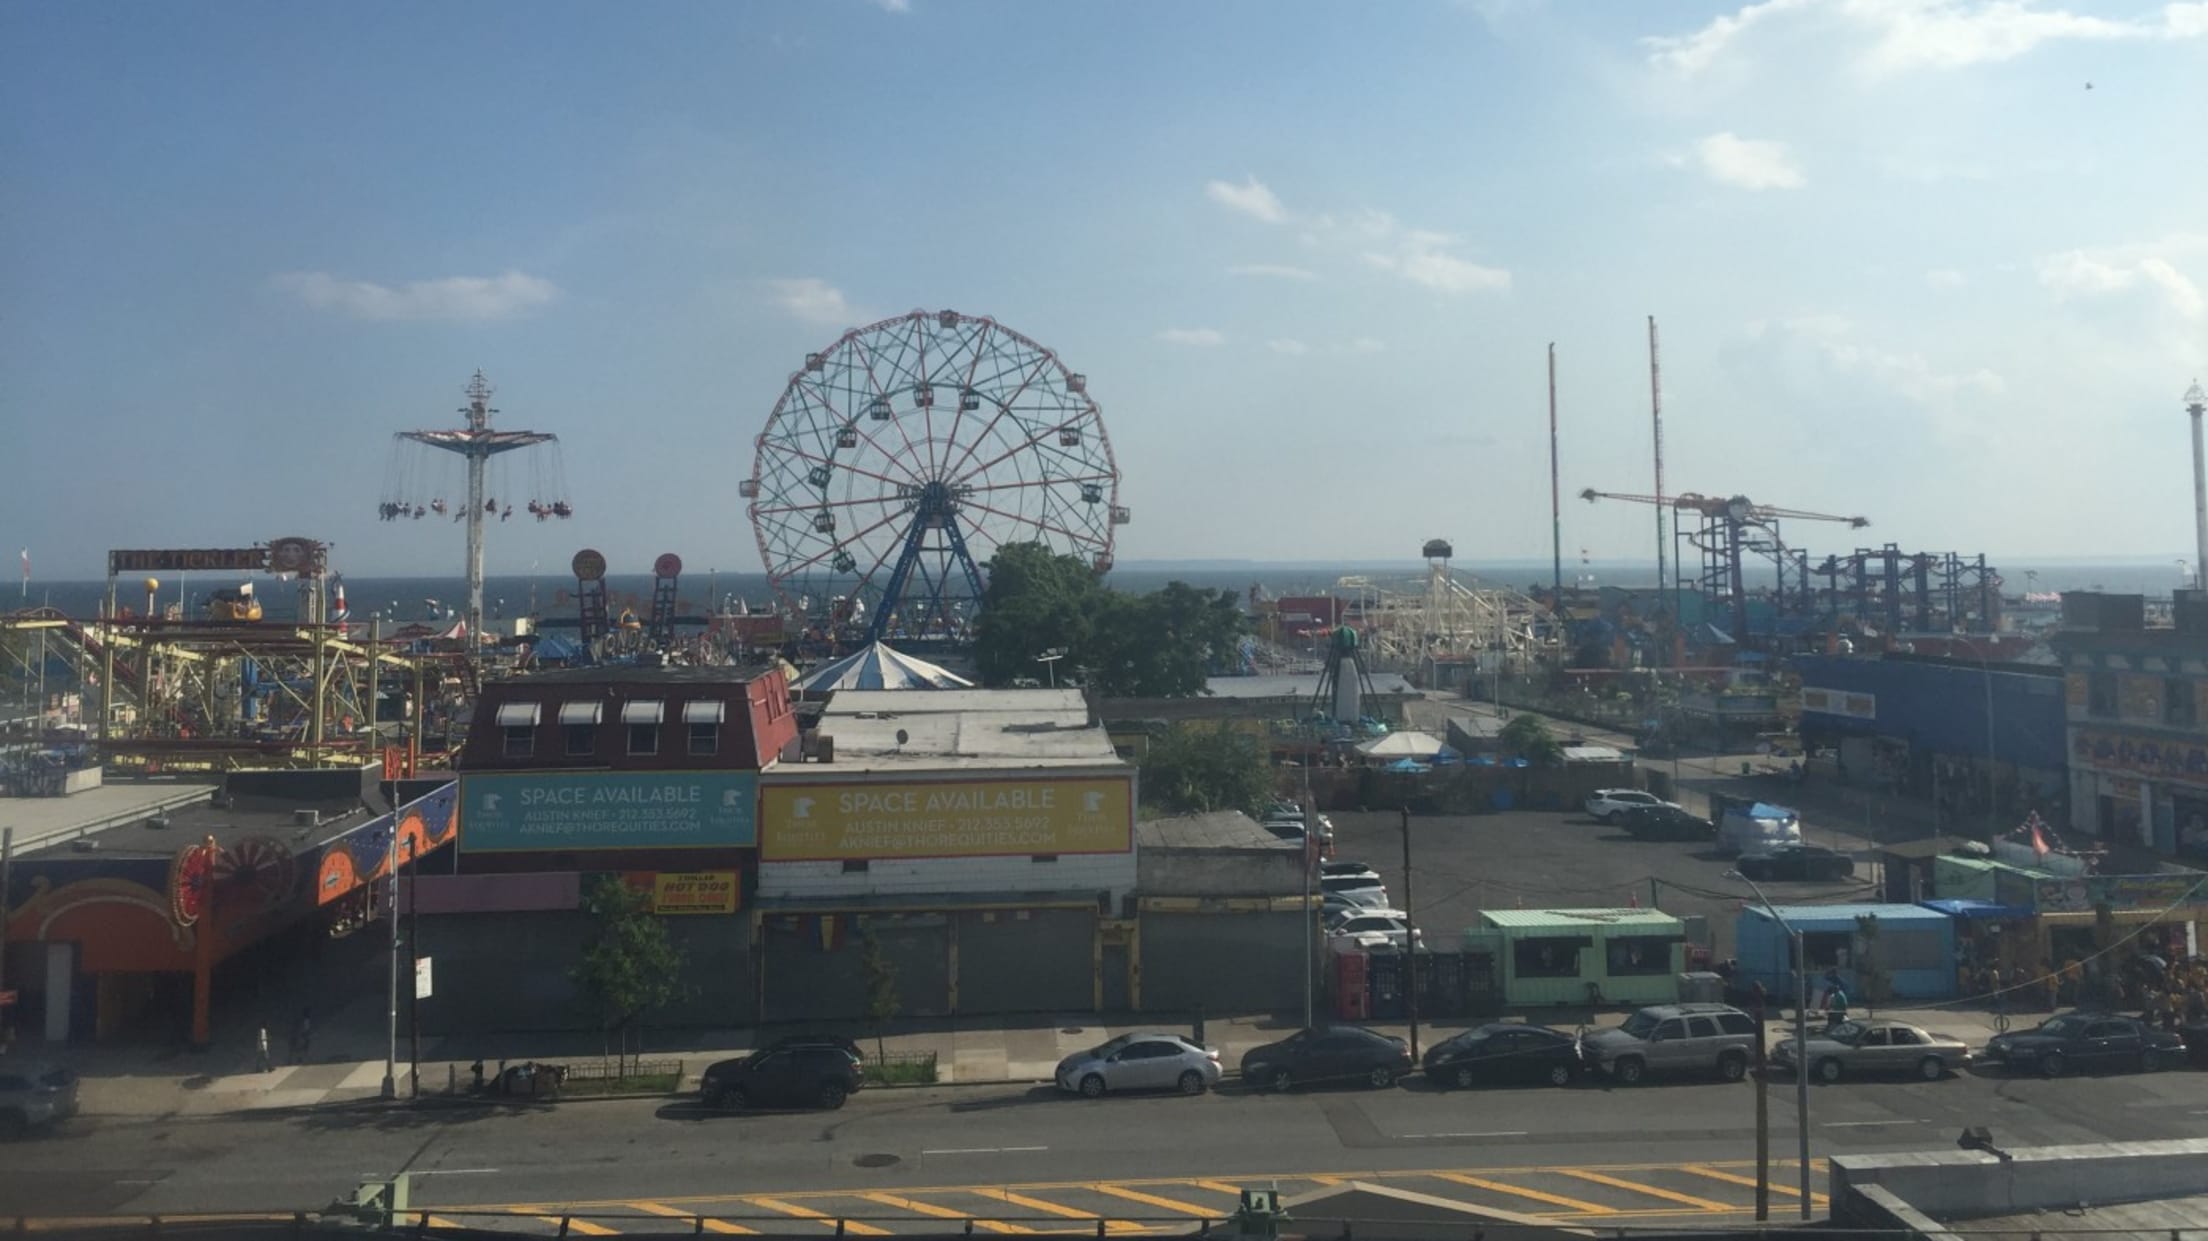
(1528, 737)
(881, 985)
(1157, 645)
(1188, 769)
(631, 965)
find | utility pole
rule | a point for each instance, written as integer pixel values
(1556, 511)
(1763, 1111)
(2196, 404)
(1656, 419)
(1310, 915)
(7, 868)
(414, 986)
(1410, 939)
(391, 996)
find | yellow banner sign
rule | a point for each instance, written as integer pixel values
(695, 892)
(946, 818)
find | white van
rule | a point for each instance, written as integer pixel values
(1757, 827)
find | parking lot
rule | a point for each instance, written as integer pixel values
(1523, 859)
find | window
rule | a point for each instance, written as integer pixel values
(643, 738)
(520, 740)
(854, 866)
(1638, 954)
(1701, 1027)
(2178, 706)
(2106, 1029)
(1875, 1037)
(1548, 958)
(1671, 1028)
(1906, 1036)
(1736, 1023)
(2100, 692)
(582, 740)
(705, 739)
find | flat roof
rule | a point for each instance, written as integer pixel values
(1296, 685)
(963, 728)
(41, 819)
(2155, 1220)
(1217, 829)
(339, 800)
(849, 702)
(1850, 912)
(637, 674)
(1651, 919)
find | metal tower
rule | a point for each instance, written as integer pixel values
(477, 443)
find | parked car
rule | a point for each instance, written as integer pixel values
(1140, 1062)
(1296, 829)
(1328, 1054)
(1347, 868)
(2086, 1041)
(790, 1073)
(1872, 1047)
(1666, 823)
(1797, 863)
(1675, 1038)
(1608, 804)
(1337, 911)
(34, 1095)
(1504, 1052)
(1356, 889)
(1373, 928)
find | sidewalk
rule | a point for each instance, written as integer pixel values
(144, 1085)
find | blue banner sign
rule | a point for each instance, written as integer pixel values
(560, 810)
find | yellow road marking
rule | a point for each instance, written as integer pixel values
(1220, 1187)
(1557, 1200)
(1163, 1204)
(711, 1225)
(790, 1208)
(1325, 1180)
(1026, 1203)
(928, 1208)
(582, 1226)
(1735, 1178)
(1614, 1216)
(1653, 1191)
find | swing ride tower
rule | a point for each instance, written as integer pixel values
(474, 444)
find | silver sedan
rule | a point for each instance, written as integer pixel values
(1874, 1047)
(1140, 1062)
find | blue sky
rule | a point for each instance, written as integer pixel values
(1904, 262)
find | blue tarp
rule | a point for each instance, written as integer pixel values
(1974, 910)
(1765, 810)
(1407, 764)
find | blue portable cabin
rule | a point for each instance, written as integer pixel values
(1914, 951)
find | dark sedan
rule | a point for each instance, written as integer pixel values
(1799, 863)
(1329, 1054)
(2086, 1041)
(1666, 823)
(1504, 1053)
(799, 1072)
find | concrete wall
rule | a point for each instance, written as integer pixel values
(1075, 874)
(515, 971)
(1954, 1185)
(1168, 871)
(1224, 962)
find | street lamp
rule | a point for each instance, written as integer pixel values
(1049, 659)
(1801, 1029)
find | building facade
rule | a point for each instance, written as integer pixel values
(2136, 703)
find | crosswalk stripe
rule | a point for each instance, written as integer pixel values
(1046, 1207)
(1220, 1187)
(721, 1226)
(1735, 1178)
(581, 1227)
(790, 1208)
(1163, 1204)
(1537, 1195)
(918, 1207)
(1653, 1191)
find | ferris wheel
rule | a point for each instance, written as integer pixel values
(903, 455)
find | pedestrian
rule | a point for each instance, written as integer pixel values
(260, 1052)
(1836, 1000)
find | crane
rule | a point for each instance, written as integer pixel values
(1731, 527)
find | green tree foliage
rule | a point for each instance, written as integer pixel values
(631, 965)
(881, 985)
(1192, 769)
(1158, 645)
(1528, 737)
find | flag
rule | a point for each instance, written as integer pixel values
(2040, 847)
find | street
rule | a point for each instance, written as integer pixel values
(1034, 1161)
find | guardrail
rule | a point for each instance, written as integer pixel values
(598, 1072)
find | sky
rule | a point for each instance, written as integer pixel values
(1939, 263)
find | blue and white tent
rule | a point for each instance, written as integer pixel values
(879, 666)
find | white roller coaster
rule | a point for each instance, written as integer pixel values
(1445, 617)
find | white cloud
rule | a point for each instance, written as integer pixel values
(1279, 271)
(1366, 344)
(1834, 340)
(1251, 198)
(1748, 163)
(1945, 278)
(1894, 36)
(1426, 263)
(2118, 269)
(452, 297)
(1201, 337)
(1292, 348)
(813, 300)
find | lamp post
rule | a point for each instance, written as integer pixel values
(1801, 1029)
(1049, 659)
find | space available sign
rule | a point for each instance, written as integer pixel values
(514, 812)
(1840, 702)
(946, 819)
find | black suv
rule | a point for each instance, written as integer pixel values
(1799, 863)
(1666, 823)
(800, 1071)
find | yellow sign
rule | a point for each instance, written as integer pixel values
(695, 892)
(945, 818)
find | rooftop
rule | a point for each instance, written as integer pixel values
(1848, 913)
(637, 674)
(853, 702)
(38, 820)
(1651, 918)
(1295, 685)
(2158, 1220)
(1218, 829)
(275, 804)
(904, 730)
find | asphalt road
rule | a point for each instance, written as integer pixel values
(903, 1158)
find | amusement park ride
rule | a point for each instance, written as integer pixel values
(1440, 618)
(905, 453)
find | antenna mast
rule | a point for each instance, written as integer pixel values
(1656, 419)
(1556, 512)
